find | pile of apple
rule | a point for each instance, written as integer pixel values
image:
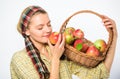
(75, 38)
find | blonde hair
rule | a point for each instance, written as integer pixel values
(19, 22)
(40, 10)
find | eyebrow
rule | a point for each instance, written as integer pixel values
(43, 24)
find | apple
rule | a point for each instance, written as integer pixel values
(100, 44)
(81, 44)
(54, 37)
(78, 44)
(93, 51)
(85, 46)
(78, 33)
(68, 32)
(69, 38)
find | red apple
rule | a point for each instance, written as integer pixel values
(69, 38)
(93, 51)
(54, 37)
(78, 33)
(100, 44)
(81, 44)
(85, 46)
(78, 44)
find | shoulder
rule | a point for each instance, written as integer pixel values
(22, 65)
(20, 55)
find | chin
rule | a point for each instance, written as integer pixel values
(45, 41)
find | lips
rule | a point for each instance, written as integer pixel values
(46, 35)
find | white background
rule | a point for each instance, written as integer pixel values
(11, 41)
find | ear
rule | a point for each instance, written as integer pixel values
(27, 32)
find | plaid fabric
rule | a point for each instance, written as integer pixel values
(36, 59)
(31, 49)
(21, 67)
(27, 15)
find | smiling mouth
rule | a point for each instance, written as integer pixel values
(47, 36)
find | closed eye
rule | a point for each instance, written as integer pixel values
(49, 24)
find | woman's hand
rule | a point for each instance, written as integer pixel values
(109, 23)
(57, 49)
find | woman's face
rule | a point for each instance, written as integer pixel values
(39, 28)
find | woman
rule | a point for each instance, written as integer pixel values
(41, 60)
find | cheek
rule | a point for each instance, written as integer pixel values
(36, 35)
(50, 29)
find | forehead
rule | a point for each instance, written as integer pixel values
(39, 18)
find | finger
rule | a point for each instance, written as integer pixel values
(59, 40)
(105, 20)
(63, 41)
(107, 23)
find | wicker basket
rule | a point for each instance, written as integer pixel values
(79, 57)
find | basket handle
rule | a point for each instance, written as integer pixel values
(82, 11)
(92, 12)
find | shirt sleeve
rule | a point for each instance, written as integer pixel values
(99, 72)
(13, 74)
(22, 67)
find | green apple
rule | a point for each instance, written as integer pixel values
(78, 44)
(100, 44)
(69, 38)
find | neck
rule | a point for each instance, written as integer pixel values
(40, 46)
